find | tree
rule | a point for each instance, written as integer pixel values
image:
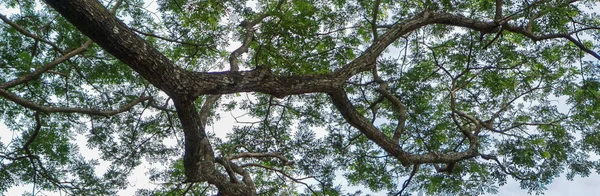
(454, 96)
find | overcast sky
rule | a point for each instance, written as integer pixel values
(560, 187)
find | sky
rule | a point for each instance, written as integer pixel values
(560, 186)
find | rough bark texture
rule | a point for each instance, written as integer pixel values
(95, 21)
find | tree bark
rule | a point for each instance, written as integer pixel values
(183, 86)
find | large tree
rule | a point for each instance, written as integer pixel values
(396, 96)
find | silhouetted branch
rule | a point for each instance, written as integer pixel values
(284, 160)
(49, 109)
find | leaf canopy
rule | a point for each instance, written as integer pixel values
(398, 97)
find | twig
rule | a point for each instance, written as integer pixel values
(297, 180)
(36, 74)
(31, 105)
(171, 40)
(262, 155)
(407, 181)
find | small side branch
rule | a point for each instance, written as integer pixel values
(29, 34)
(170, 40)
(297, 180)
(232, 168)
(46, 68)
(504, 169)
(342, 103)
(567, 36)
(35, 160)
(31, 105)
(407, 181)
(498, 16)
(207, 107)
(374, 21)
(248, 26)
(36, 74)
(284, 160)
(401, 112)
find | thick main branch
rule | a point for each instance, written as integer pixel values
(91, 18)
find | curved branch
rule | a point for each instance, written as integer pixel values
(529, 34)
(248, 36)
(495, 159)
(410, 177)
(466, 132)
(354, 118)
(35, 160)
(36, 131)
(228, 168)
(169, 39)
(207, 107)
(246, 178)
(66, 55)
(284, 160)
(31, 105)
(36, 74)
(374, 21)
(366, 61)
(297, 180)
(401, 110)
(29, 34)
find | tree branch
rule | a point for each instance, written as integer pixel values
(169, 39)
(246, 178)
(36, 74)
(248, 36)
(284, 160)
(35, 160)
(374, 21)
(498, 16)
(410, 177)
(29, 34)
(207, 107)
(529, 34)
(354, 118)
(401, 112)
(28, 104)
(66, 56)
(123, 43)
(492, 157)
(284, 174)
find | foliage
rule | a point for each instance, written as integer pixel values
(433, 97)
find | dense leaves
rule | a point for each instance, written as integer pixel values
(412, 97)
